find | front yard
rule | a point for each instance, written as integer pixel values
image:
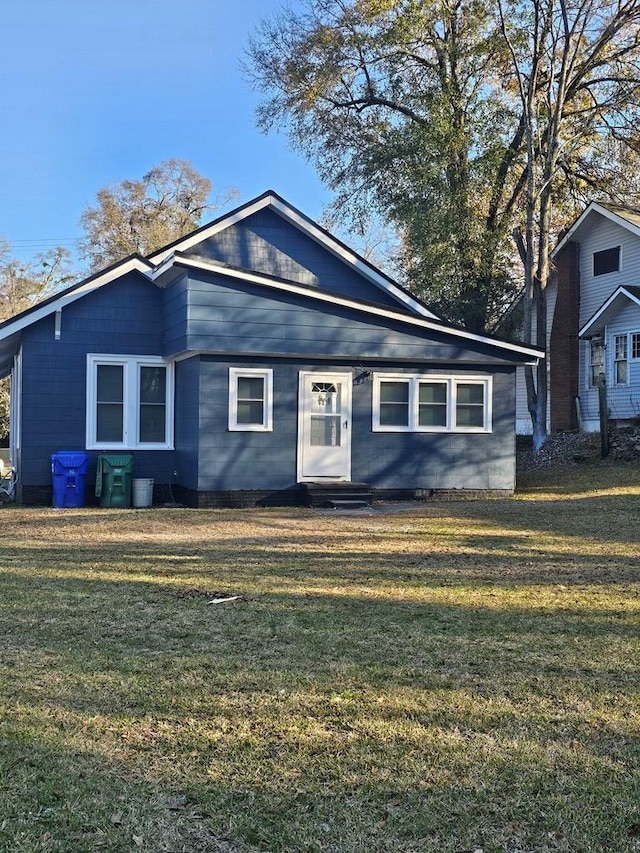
(452, 678)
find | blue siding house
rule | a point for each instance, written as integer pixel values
(254, 356)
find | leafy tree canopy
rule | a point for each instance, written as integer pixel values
(144, 215)
(411, 110)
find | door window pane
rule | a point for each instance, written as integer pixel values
(325, 430)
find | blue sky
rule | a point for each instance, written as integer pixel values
(94, 92)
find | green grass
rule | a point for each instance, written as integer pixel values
(458, 677)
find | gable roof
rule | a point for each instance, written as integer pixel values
(163, 273)
(311, 229)
(608, 310)
(627, 217)
(156, 268)
(10, 328)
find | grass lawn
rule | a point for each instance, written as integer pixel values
(454, 678)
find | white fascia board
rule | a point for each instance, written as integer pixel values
(347, 255)
(311, 230)
(22, 321)
(594, 207)
(595, 323)
(376, 311)
(207, 231)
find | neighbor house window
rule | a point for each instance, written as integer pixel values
(621, 360)
(129, 402)
(409, 403)
(596, 361)
(250, 399)
(635, 345)
(606, 261)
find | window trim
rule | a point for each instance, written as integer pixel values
(604, 252)
(633, 335)
(131, 365)
(616, 360)
(236, 373)
(452, 383)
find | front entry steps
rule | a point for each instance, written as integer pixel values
(337, 495)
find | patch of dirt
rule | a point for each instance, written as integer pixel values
(575, 448)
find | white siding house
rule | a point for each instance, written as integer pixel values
(593, 322)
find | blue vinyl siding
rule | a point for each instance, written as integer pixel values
(227, 316)
(268, 461)
(187, 422)
(123, 318)
(267, 243)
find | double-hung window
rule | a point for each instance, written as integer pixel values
(620, 359)
(250, 399)
(635, 345)
(409, 403)
(129, 402)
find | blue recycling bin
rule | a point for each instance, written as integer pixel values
(69, 470)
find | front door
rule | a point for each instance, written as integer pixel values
(324, 427)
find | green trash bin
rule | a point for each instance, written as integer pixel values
(113, 479)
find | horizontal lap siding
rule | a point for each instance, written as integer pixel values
(268, 461)
(247, 460)
(54, 372)
(437, 460)
(595, 290)
(227, 316)
(267, 243)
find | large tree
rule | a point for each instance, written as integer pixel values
(577, 83)
(143, 215)
(467, 124)
(394, 102)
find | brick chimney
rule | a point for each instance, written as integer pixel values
(564, 345)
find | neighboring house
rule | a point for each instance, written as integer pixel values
(255, 355)
(593, 322)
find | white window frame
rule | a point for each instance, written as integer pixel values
(633, 335)
(452, 383)
(266, 374)
(602, 251)
(131, 365)
(615, 360)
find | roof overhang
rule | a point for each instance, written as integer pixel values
(14, 325)
(307, 226)
(511, 350)
(619, 299)
(627, 220)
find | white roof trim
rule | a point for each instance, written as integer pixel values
(322, 296)
(33, 315)
(311, 230)
(594, 207)
(593, 321)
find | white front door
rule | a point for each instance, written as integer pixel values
(324, 427)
